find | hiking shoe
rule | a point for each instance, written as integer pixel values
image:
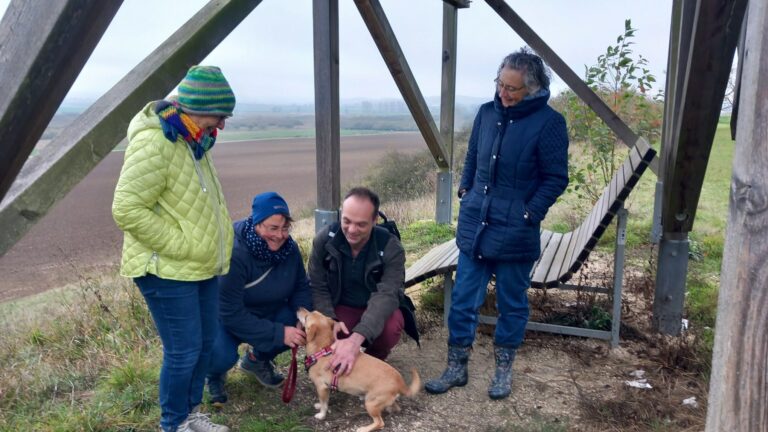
(183, 427)
(216, 390)
(199, 422)
(455, 375)
(262, 370)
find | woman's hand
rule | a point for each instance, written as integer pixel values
(294, 337)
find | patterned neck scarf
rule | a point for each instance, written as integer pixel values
(175, 122)
(259, 248)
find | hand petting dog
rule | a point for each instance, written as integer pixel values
(376, 381)
(345, 351)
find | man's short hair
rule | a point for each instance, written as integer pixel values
(365, 193)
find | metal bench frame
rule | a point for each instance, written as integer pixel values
(562, 254)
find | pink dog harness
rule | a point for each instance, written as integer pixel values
(310, 361)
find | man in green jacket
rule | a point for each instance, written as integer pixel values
(178, 234)
(356, 272)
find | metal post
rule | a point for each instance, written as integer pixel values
(618, 274)
(325, 217)
(443, 208)
(657, 200)
(447, 288)
(670, 283)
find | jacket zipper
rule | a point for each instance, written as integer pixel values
(214, 203)
(217, 210)
(152, 260)
(199, 171)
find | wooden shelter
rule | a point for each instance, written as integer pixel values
(43, 37)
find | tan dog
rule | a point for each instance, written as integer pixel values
(379, 383)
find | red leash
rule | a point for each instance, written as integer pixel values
(290, 386)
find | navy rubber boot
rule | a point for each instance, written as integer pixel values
(455, 375)
(501, 385)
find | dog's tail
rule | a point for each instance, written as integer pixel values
(415, 386)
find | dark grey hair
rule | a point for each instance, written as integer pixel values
(364, 193)
(536, 74)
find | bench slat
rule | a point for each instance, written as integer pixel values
(553, 275)
(544, 238)
(546, 260)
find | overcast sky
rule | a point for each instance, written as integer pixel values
(269, 57)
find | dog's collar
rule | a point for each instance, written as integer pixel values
(310, 360)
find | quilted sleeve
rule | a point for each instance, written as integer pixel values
(553, 169)
(142, 180)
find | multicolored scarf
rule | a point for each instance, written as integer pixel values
(259, 248)
(175, 122)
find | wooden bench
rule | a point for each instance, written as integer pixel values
(562, 254)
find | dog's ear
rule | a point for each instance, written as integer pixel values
(311, 330)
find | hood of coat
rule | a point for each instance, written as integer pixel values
(530, 104)
(143, 120)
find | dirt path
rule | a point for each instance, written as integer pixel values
(78, 236)
(560, 384)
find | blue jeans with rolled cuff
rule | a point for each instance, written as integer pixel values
(186, 318)
(512, 283)
(224, 354)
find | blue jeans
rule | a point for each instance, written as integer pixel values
(185, 314)
(512, 283)
(224, 354)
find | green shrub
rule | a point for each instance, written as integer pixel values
(399, 176)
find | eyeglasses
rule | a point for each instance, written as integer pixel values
(274, 229)
(507, 87)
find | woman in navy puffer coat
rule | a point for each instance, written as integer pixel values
(516, 168)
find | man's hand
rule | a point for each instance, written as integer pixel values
(345, 352)
(339, 326)
(294, 337)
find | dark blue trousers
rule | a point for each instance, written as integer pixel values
(512, 283)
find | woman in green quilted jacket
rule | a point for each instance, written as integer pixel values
(178, 234)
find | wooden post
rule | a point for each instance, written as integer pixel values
(738, 391)
(384, 37)
(43, 47)
(444, 185)
(328, 153)
(70, 156)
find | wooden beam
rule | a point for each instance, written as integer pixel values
(681, 29)
(443, 193)
(582, 90)
(328, 154)
(385, 39)
(741, 51)
(43, 47)
(72, 154)
(715, 32)
(738, 390)
(457, 3)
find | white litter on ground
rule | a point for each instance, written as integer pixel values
(691, 401)
(641, 384)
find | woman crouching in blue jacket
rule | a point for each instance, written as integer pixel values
(259, 297)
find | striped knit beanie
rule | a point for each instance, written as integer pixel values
(205, 91)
